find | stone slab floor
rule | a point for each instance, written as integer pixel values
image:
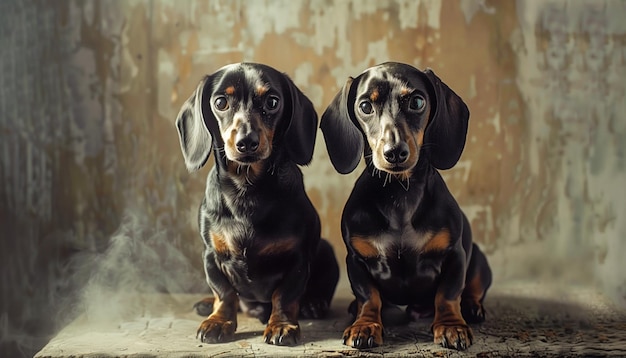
(523, 319)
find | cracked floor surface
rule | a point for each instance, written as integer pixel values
(523, 319)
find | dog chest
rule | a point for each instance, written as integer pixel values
(405, 262)
(404, 274)
(256, 270)
(402, 251)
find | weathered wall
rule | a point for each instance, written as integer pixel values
(94, 190)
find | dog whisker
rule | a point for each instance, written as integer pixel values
(271, 168)
(222, 152)
(374, 170)
(377, 171)
(401, 179)
(387, 179)
(248, 175)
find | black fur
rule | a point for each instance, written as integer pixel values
(263, 250)
(408, 241)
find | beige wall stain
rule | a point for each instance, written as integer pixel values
(508, 179)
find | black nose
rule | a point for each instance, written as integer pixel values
(247, 143)
(396, 154)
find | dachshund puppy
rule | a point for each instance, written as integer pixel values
(408, 241)
(263, 252)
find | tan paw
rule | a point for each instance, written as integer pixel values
(282, 333)
(363, 335)
(457, 336)
(214, 330)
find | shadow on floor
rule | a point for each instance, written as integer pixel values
(522, 320)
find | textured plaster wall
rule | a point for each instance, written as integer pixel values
(94, 194)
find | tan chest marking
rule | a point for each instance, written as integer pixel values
(220, 244)
(278, 247)
(438, 242)
(365, 247)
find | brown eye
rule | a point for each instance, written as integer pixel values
(271, 103)
(221, 103)
(366, 107)
(417, 103)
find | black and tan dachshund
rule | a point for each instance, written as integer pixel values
(408, 241)
(263, 253)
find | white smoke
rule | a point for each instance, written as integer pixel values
(139, 264)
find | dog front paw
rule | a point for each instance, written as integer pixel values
(363, 335)
(282, 333)
(214, 330)
(457, 336)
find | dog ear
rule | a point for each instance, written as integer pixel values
(301, 130)
(193, 130)
(446, 131)
(344, 140)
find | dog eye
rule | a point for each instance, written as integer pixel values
(417, 103)
(221, 103)
(366, 107)
(272, 102)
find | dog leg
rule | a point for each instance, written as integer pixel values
(315, 302)
(477, 281)
(220, 326)
(449, 328)
(283, 328)
(204, 307)
(367, 329)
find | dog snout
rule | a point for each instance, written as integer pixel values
(247, 142)
(396, 153)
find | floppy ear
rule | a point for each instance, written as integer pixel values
(302, 128)
(195, 138)
(344, 140)
(447, 128)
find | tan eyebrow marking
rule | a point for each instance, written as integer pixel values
(230, 90)
(404, 91)
(374, 95)
(260, 90)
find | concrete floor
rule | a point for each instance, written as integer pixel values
(524, 319)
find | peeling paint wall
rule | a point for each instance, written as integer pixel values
(571, 80)
(90, 91)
